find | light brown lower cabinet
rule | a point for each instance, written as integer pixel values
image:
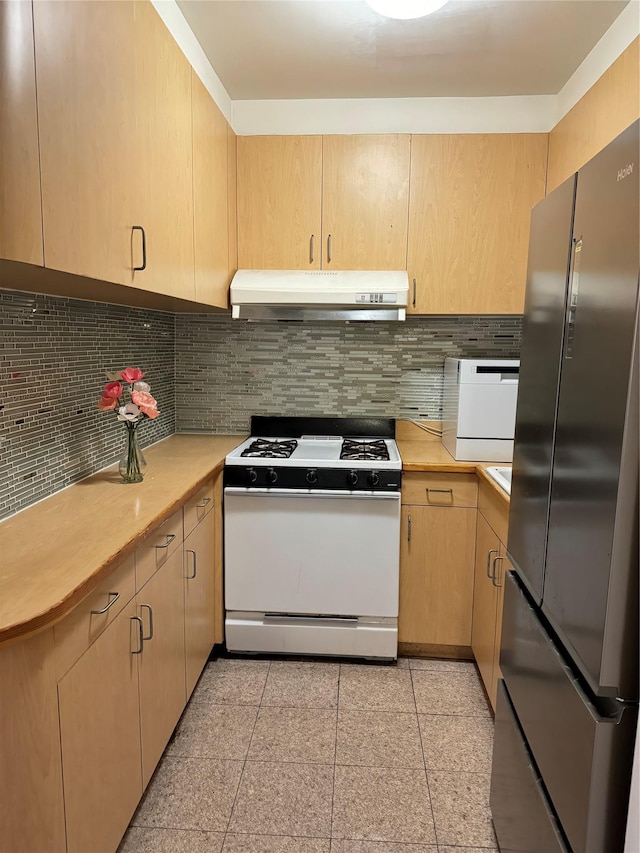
(199, 599)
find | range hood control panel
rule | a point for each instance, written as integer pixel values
(377, 298)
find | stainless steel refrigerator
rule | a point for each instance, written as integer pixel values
(567, 708)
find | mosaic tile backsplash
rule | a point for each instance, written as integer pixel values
(53, 357)
(227, 370)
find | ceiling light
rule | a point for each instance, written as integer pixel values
(405, 9)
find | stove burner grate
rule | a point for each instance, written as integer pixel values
(360, 449)
(263, 448)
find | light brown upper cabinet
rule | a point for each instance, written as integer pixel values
(163, 164)
(20, 210)
(232, 198)
(470, 202)
(86, 113)
(279, 202)
(365, 202)
(210, 202)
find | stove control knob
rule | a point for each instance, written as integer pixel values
(272, 476)
(374, 479)
(252, 475)
(352, 478)
(312, 476)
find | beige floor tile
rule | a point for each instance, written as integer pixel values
(301, 735)
(378, 738)
(449, 693)
(214, 731)
(302, 685)
(461, 808)
(339, 846)
(141, 839)
(403, 663)
(235, 843)
(232, 682)
(375, 688)
(457, 743)
(276, 798)
(190, 793)
(438, 665)
(382, 804)
(448, 849)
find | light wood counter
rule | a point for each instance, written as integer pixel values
(55, 552)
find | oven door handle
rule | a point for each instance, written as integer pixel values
(312, 493)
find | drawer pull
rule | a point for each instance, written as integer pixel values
(493, 574)
(112, 601)
(170, 538)
(140, 635)
(492, 551)
(195, 564)
(150, 635)
(205, 502)
(409, 528)
(440, 491)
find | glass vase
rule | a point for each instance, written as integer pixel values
(132, 463)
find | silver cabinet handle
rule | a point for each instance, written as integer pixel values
(409, 528)
(195, 564)
(492, 551)
(493, 574)
(144, 248)
(205, 502)
(329, 249)
(311, 246)
(112, 601)
(150, 635)
(413, 301)
(170, 538)
(140, 635)
(440, 491)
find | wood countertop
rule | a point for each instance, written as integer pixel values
(53, 553)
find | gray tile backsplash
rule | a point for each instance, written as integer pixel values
(209, 373)
(53, 357)
(227, 370)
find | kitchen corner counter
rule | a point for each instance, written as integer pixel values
(53, 553)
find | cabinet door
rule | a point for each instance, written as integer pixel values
(279, 202)
(163, 163)
(199, 601)
(86, 115)
(232, 199)
(100, 735)
(502, 566)
(365, 202)
(471, 197)
(485, 603)
(160, 605)
(436, 575)
(210, 203)
(20, 211)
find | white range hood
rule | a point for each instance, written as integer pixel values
(319, 295)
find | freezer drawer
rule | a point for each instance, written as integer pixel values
(583, 753)
(522, 815)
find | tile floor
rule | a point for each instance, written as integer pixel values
(304, 757)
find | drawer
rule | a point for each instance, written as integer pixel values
(435, 489)
(197, 507)
(76, 632)
(156, 550)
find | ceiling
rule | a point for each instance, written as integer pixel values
(285, 49)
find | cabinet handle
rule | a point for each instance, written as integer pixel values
(144, 248)
(493, 574)
(440, 491)
(492, 551)
(195, 564)
(409, 528)
(413, 301)
(205, 502)
(311, 253)
(170, 538)
(148, 607)
(112, 601)
(329, 249)
(140, 635)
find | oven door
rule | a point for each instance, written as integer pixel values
(312, 552)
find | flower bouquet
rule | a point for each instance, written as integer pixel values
(131, 412)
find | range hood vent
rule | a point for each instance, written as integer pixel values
(319, 295)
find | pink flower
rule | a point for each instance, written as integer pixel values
(145, 403)
(112, 389)
(131, 374)
(106, 404)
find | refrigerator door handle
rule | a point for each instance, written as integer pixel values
(572, 301)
